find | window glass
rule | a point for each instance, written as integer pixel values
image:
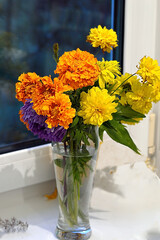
(27, 33)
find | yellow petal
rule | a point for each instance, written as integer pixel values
(101, 82)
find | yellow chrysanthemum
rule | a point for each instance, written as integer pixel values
(149, 70)
(156, 91)
(127, 78)
(108, 71)
(125, 81)
(77, 69)
(104, 38)
(123, 99)
(97, 106)
(140, 97)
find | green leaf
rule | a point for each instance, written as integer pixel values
(101, 131)
(85, 152)
(78, 136)
(128, 112)
(84, 139)
(59, 162)
(75, 121)
(119, 117)
(93, 136)
(118, 133)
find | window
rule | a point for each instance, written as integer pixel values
(27, 33)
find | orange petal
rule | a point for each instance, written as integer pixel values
(53, 195)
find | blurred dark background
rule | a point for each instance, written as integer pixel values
(28, 30)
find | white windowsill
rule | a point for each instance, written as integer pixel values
(26, 167)
(31, 166)
(125, 205)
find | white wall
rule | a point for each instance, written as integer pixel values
(156, 107)
(140, 39)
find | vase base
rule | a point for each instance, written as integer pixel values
(73, 235)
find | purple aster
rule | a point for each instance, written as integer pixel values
(38, 126)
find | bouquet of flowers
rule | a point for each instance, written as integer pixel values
(86, 93)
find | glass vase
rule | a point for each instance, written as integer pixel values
(74, 165)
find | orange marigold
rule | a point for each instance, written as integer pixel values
(77, 69)
(44, 90)
(58, 110)
(60, 87)
(26, 86)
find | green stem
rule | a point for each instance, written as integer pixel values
(56, 61)
(82, 215)
(69, 205)
(74, 189)
(122, 83)
(66, 214)
(97, 52)
(69, 202)
(75, 196)
(78, 190)
(64, 177)
(70, 196)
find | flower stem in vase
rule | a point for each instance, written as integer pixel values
(64, 178)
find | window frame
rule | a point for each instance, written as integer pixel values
(22, 145)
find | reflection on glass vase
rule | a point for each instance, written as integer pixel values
(74, 169)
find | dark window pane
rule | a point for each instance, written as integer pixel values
(28, 30)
